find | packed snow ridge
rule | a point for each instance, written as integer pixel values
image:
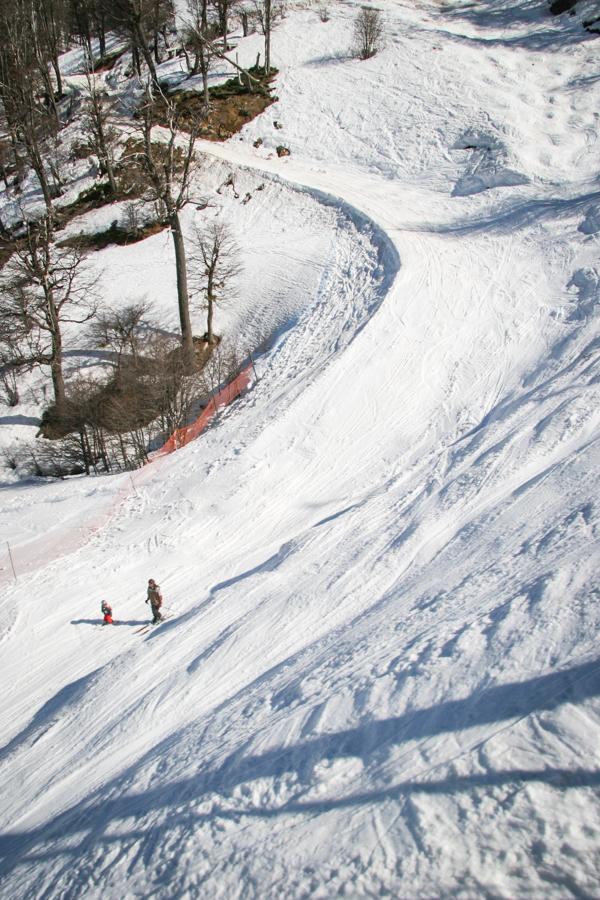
(378, 673)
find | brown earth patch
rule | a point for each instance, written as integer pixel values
(115, 234)
(232, 105)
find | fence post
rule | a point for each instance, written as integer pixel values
(253, 366)
(11, 560)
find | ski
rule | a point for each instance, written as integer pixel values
(150, 625)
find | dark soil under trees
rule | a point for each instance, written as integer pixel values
(114, 234)
(232, 105)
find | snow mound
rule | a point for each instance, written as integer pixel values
(489, 165)
(591, 223)
(586, 282)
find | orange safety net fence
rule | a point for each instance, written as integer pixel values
(30, 555)
(227, 395)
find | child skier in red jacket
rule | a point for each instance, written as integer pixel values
(107, 613)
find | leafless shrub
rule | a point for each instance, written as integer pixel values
(10, 457)
(9, 388)
(121, 330)
(131, 219)
(368, 32)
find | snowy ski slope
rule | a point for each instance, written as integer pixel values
(380, 674)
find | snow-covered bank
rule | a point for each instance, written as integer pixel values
(380, 672)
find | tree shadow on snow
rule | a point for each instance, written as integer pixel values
(519, 214)
(538, 41)
(331, 59)
(20, 420)
(49, 714)
(488, 14)
(533, 26)
(112, 804)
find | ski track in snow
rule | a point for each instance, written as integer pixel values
(380, 672)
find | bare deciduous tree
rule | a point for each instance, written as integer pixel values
(29, 121)
(121, 330)
(103, 136)
(143, 21)
(224, 9)
(198, 36)
(44, 287)
(90, 19)
(267, 14)
(368, 32)
(49, 28)
(216, 264)
(215, 51)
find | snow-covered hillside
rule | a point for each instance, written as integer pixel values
(379, 674)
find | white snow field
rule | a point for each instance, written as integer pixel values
(380, 674)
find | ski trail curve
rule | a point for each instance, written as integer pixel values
(361, 273)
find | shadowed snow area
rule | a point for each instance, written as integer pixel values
(380, 673)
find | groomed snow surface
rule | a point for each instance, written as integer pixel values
(380, 671)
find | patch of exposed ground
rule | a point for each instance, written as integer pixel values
(232, 105)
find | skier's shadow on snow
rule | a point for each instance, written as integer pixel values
(129, 622)
(367, 740)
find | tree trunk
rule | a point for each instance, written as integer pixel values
(89, 54)
(50, 93)
(102, 35)
(58, 381)
(209, 319)
(38, 167)
(204, 66)
(58, 76)
(135, 55)
(4, 176)
(267, 36)
(182, 291)
(105, 153)
(188, 63)
(143, 47)
(111, 175)
(83, 443)
(225, 24)
(4, 232)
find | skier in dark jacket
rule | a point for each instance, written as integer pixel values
(154, 598)
(107, 613)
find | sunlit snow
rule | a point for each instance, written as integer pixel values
(380, 672)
